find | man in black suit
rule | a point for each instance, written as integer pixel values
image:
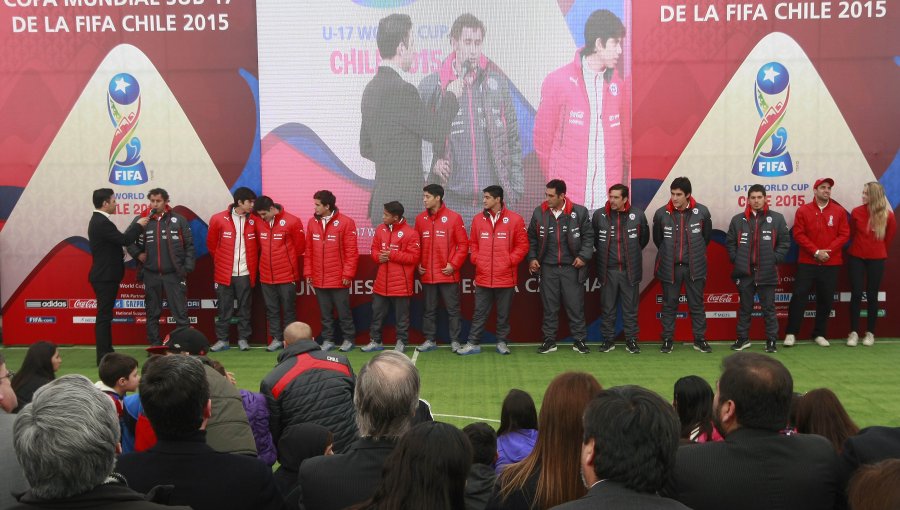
(757, 467)
(175, 396)
(107, 268)
(395, 120)
(630, 440)
(386, 398)
(870, 446)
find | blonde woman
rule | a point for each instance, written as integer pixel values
(872, 227)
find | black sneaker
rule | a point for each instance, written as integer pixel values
(667, 345)
(607, 346)
(580, 347)
(770, 346)
(632, 346)
(740, 345)
(547, 347)
(702, 346)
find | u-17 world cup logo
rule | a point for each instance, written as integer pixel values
(772, 91)
(123, 102)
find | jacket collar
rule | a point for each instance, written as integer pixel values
(437, 213)
(748, 211)
(567, 209)
(691, 204)
(624, 210)
(448, 73)
(296, 349)
(167, 210)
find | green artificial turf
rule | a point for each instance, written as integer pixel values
(466, 389)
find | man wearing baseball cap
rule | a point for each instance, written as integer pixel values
(821, 230)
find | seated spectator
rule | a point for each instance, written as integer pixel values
(481, 478)
(518, 428)
(144, 437)
(876, 487)
(547, 477)
(298, 443)
(871, 445)
(756, 466)
(310, 385)
(38, 368)
(820, 412)
(176, 398)
(66, 441)
(119, 376)
(386, 398)
(693, 402)
(12, 479)
(630, 440)
(427, 470)
(257, 414)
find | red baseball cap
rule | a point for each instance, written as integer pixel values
(822, 181)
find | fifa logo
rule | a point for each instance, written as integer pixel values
(772, 91)
(123, 103)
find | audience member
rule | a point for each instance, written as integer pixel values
(547, 477)
(257, 414)
(518, 428)
(756, 466)
(175, 393)
(871, 445)
(66, 440)
(482, 477)
(118, 376)
(38, 368)
(298, 443)
(12, 479)
(692, 400)
(876, 487)
(630, 441)
(428, 469)
(820, 412)
(386, 398)
(309, 385)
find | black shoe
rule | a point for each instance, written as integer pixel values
(547, 346)
(740, 345)
(667, 345)
(770, 346)
(580, 347)
(702, 346)
(632, 346)
(607, 346)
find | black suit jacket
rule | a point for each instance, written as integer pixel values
(106, 248)
(203, 478)
(871, 445)
(613, 495)
(394, 123)
(335, 482)
(754, 469)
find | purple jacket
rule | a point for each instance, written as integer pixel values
(258, 416)
(514, 446)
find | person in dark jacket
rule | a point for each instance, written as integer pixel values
(561, 242)
(757, 241)
(620, 234)
(310, 385)
(482, 477)
(166, 253)
(681, 232)
(298, 443)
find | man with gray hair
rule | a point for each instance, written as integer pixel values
(386, 398)
(66, 441)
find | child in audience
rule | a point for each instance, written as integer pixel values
(693, 402)
(481, 474)
(518, 428)
(119, 376)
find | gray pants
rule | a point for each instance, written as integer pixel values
(226, 295)
(618, 290)
(175, 288)
(380, 307)
(560, 285)
(281, 303)
(694, 291)
(746, 289)
(484, 298)
(449, 294)
(335, 299)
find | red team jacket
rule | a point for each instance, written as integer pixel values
(332, 252)
(395, 277)
(827, 229)
(220, 239)
(864, 244)
(497, 249)
(443, 238)
(281, 246)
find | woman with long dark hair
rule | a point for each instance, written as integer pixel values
(549, 476)
(693, 398)
(518, 428)
(38, 368)
(820, 412)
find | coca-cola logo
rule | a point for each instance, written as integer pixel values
(721, 298)
(84, 303)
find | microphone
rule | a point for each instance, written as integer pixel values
(153, 212)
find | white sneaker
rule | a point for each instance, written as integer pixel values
(275, 345)
(502, 348)
(852, 339)
(455, 346)
(372, 346)
(789, 340)
(327, 345)
(347, 346)
(243, 345)
(821, 342)
(220, 346)
(869, 340)
(400, 346)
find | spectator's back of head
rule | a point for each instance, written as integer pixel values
(633, 435)
(386, 395)
(518, 412)
(175, 396)
(114, 366)
(754, 391)
(876, 486)
(296, 331)
(820, 412)
(484, 442)
(303, 441)
(692, 399)
(67, 438)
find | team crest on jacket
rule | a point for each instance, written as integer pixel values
(337, 222)
(176, 221)
(443, 219)
(282, 223)
(250, 222)
(505, 220)
(399, 235)
(573, 215)
(768, 219)
(614, 89)
(631, 216)
(696, 211)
